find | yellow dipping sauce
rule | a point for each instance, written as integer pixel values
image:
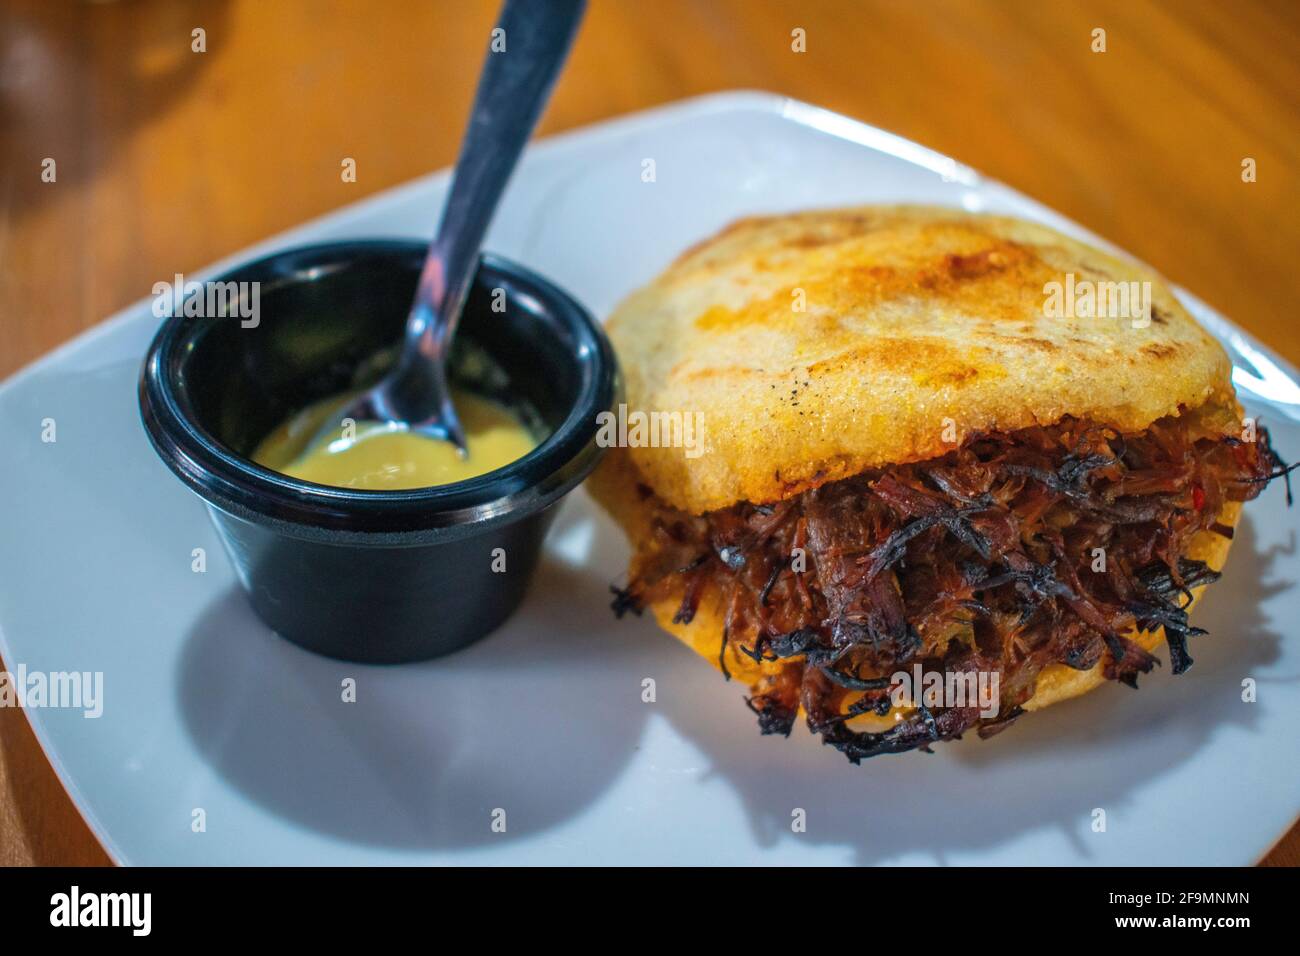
(380, 459)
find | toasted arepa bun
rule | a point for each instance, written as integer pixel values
(910, 316)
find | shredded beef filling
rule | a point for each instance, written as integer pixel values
(1021, 550)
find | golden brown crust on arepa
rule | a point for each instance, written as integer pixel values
(913, 315)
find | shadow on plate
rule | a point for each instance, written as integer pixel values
(537, 719)
(542, 716)
(1049, 770)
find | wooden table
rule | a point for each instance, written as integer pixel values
(167, 159)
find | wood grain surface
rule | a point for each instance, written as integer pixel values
(168, 159)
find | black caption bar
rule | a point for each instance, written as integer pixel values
(333, 905)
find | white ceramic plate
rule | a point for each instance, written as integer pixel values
(204, 708)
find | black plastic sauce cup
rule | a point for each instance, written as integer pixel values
(374, 576)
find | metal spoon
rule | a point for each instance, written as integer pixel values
(512, 90)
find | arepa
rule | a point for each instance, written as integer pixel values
(931, 441)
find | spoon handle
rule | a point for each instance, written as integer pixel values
(527, 49)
